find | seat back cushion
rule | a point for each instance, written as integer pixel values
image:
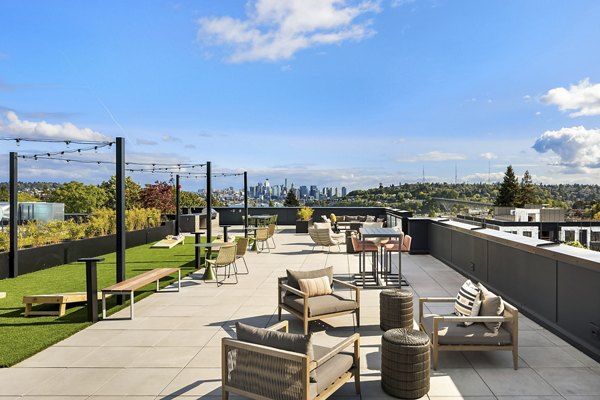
(316, 286)
(293, 342)
(467, 302)
(491, 305)
(294, 276)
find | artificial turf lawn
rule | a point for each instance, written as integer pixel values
(22, 337)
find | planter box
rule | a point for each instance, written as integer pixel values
(302, 226)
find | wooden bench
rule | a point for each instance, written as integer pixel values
(129, 286)
(62, 299)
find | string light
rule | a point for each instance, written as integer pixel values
(65, 141)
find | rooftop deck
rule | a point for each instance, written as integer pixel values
(172, 348)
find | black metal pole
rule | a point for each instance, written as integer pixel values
(120, 200)
(245, 203)
(91, 284)
(208, 208)
(177, 209)
(13, 255)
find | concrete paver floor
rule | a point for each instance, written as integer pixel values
(172, 348)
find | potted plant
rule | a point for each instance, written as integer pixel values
(304, 219)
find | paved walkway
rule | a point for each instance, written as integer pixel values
(172, 348)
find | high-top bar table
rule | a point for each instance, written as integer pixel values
(382, 233)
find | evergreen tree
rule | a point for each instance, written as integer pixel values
(291, 200)
(508, 189)
(526, 193)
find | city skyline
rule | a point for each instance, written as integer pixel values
(332, 92)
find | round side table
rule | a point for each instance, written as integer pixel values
(395, 309)
(405, 363)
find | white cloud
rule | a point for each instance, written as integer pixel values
(583, 97)
(436, 156)
(275, 30)
(538, 113)
(577, 148)
(170, 138)
(488, 156)
(11, 125)
(484, 177)
(400, 3)
(146, 142)
(527, 97)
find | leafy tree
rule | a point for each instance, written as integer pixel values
(78, 197)
(291, 200)
(22, 196)
(132, 193)
(159, 195)
(509, 189)
(191, 199)
(526, 193)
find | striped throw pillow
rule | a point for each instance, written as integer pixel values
(316, 286)
(468, 301)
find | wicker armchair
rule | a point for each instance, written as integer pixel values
(263, 372)
(299, 304)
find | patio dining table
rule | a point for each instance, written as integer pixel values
(260, 219)
(381, 233)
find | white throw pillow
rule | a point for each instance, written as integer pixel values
(468, 301)
(316, 286)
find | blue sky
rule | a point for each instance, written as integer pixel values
(327, 92)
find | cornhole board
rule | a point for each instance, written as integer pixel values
(2, 295)
(168, 243)
(62, 299)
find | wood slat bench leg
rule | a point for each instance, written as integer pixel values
(27, 309)
(179, 280)
(103, 305)
(62, 309)
(131, 304)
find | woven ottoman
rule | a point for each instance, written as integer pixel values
(395, 309)
(405, 363)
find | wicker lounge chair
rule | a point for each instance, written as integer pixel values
(255, 365)
(324, 237)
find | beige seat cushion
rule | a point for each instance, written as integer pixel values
(330, 371)
(320, 305)
(477, 333)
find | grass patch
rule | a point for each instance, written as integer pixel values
(22, 337)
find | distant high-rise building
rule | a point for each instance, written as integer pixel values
(285, 185)
(303, 192)
(314, 191)
(344, 191)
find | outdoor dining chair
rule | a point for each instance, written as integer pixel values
(262, 236)
(225, 259)
(240, 251)
(271, 233)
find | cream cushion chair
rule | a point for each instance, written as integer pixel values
(310, 308)
(448, 332)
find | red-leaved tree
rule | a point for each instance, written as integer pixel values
(159, 195)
